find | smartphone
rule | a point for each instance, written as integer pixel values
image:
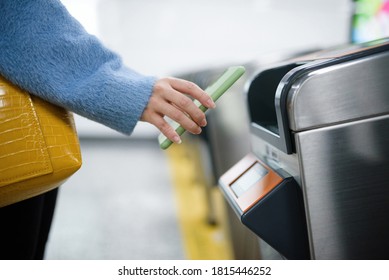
(216, 90)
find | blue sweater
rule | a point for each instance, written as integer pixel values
(44, 50)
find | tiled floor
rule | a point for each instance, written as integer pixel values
(118, 206)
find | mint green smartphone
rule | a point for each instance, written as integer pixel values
(216, 90)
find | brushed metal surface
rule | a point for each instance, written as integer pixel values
(345, 179)
(342, 92)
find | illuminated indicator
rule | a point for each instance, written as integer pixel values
(248, 179)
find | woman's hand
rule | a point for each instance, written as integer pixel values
(169, 99)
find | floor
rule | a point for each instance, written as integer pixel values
(120, 205)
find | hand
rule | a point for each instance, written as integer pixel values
(169, 99)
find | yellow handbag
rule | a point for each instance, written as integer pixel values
(39, 146)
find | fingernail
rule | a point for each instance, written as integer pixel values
(211, 104)
(203, 123)
(177, 139)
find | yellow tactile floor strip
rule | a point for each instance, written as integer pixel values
(202, 241)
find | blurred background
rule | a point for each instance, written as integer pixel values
(130, 199)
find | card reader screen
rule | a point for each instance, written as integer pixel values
(254, 174)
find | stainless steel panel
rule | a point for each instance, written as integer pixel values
(347, 91)
(345, 179)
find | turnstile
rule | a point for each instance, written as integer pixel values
(316, 183)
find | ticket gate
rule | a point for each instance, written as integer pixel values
(223, 142)
(316, 182)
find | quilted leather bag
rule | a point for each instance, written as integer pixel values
(39, 147)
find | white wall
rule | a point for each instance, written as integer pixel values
(164, 37)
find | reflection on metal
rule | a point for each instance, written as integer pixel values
(346, 186)
(352, 90)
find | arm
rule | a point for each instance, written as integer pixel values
(47, 52)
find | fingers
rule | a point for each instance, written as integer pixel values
(183, 110)
(177, 96)
(166, 108)
(170, 98)
(193, 90)
(165, 128)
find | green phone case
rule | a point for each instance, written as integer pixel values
(216, 90)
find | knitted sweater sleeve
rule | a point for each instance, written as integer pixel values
(44, 50)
